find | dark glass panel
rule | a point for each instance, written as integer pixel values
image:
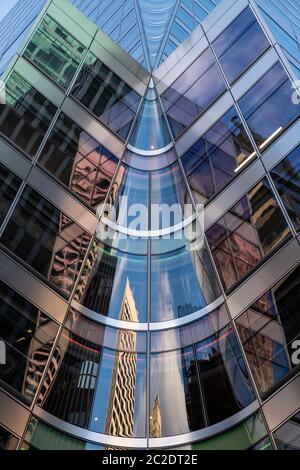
(193, 92)
(28, 335)
(286, 176)
(26, 115)
(240, 44)
(106, 95)
(268, 106)
(78, 161)
(55, 51)
(248, 232)
(224, 377)
(213, 160)
(7, 440)
(182, 283)
(46, 239)
(9, 186)
(175, 400)
(114, 284)
(287, 437)
(270, 330)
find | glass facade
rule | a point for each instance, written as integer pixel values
(149, 227)
(53, 50)
(246, 234)
(106, 95)
(26, 114)
(78, 161)
(193, 92)
(214, 159)
(46, 240)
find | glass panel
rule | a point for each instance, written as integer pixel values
(120, 402)
(78, 161)
(270, 333)
(103, 389)
(47, 240)
(150, 130)
(174, 386)
(268, 106)
(7, 440)
(241, 437)
(286, 176)
(193, 92)
(288, 436)
(114, 284)
(56, 52)
(225, 380)
(240, 44)
(178, 338)
(28, 335)
(26, 116)
(39, 436)
(182, 282)
(215, 158)
(106, 96)
(248, 232)
(169, 197)
(9, 186)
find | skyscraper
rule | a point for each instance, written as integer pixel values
(149, 237)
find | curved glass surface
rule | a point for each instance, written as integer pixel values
(114, 284)
(150, 131)
(102, 374)
(205, 382)
(182, 282)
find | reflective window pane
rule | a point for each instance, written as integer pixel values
(46, 240)
(106, 95)
(114, 284)
(78, 161)
(240, 44)
(269, 330)
(104, 389)
(9, 186)
(215, 158)
(174, 386)
(7, 440)
(28, 335)
(205, 383)
(287, 437)
(193, 92)
(286, 176)
(182, 282)
(268, 106)
(248, 232)
(26, 116)
(40, 436)
(55, 51)
(225, 380)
